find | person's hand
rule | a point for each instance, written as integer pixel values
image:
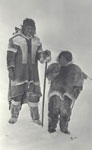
(85, 76)
(76, 91)
(47, 56)
(11, 73)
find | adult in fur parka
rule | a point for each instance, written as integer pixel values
(24, 51)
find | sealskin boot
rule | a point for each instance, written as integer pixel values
(14, 113)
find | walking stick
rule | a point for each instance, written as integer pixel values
(89, 78)
(43, 100)
(9, 94)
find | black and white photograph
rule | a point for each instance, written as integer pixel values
(45, 75)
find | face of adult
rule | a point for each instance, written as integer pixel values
(28, 31)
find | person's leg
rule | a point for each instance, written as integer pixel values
(34, 110)
(65, 113)
(15, 108)
(53, 112)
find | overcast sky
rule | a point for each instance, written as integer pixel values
(61, 24)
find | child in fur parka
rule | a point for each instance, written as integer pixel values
(66, 84)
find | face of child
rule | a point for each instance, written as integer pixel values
(62, 61)
(29, 31)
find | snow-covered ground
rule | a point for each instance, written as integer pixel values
(25, 135)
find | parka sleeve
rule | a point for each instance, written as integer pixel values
(11, 54)
(39, 52)
(43, 55)
(52, 71)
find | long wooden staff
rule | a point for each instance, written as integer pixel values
(43, 101)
